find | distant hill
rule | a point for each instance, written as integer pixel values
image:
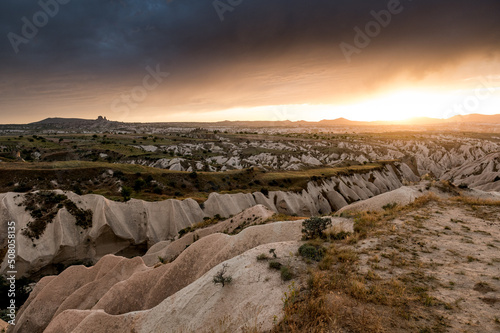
(420, 121)
(343, 122)
(477, 119)
(50, 121)
(59, 121)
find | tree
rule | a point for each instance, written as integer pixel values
(126, 192)
(139, 184)
(220, 277)
(315, 226)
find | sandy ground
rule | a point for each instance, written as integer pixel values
(454, 251)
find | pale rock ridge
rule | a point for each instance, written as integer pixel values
(483, 173)
(168, 250)
(119, 226)
(118, 285)
(402, 197)
(200, 306)
(116, 226)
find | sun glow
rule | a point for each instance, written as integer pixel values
(399, 105)
(394, 106)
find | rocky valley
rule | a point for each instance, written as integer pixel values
(127, 232)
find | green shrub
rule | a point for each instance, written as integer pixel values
(184, 231)
(21, 188)
(286, 273)
(339, 235)
(312, 252)
(275, 265)
(315, 226)
(221, 278)
(139, 184)
(262, 256)
(390, 206)
(126, 193)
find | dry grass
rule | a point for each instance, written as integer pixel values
(367, 221)
(475, 201)
(283, 217)
(342, 297)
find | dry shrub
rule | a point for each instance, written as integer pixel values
(339, 298)
(475, 201)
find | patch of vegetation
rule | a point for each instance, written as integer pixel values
(338, 294)
(390, 206)
(262, 256)
(207, 221)
(83, 217)
(312, 251)
(126, 192)
(139, 184)
(286, 273)
(43, 208)
(475, 201)
(162, 184)
(221, 278)
(333, 236)
(275, 265)
(367, 221)
(446, 187)
(315, 227)
(283, 217)
(342, 298)
(22, 188)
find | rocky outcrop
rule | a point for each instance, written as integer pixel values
(432, 153)
(119, 286)
(482, 174)
(201, 306)
(402, 197)
(120, 227)
(116, 227)
(168, 250)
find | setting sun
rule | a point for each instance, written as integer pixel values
(393, 106)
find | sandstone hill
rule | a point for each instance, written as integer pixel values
(131, 228)
(432, 228)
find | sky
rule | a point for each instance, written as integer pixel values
(206, 60)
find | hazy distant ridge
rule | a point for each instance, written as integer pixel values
(422, 121)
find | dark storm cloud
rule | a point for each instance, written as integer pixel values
(104, 41)
(110, 34)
